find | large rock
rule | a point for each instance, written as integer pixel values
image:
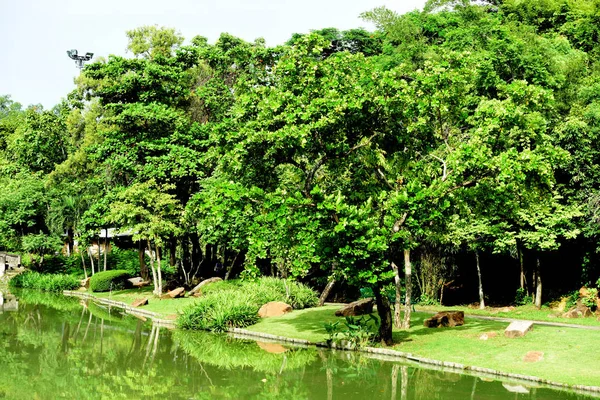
(175, 293)
(445, 318)
(136, 282)
(274, 309)
(140, 302)
(579, 311)
(204, 283)
(518, 329)
(360, 307)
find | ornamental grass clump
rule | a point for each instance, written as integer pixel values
(46, 282)
(109, 280)
(235, 304)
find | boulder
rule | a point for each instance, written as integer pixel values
(445, 318)
(518, 329)
(360, 307)
(85, 283)
(204, 283)
(175, 293)
(136, 282)
(140, 302)
(579, 311)
(274, 309)
(533, 356)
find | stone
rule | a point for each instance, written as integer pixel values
(518, 329)
(446, 319)
(359, 307)
(274, 309)
(533, 356)
(488, 335)
(584, 292)
(140, 302)
(176, 293)
(137, 281)
(273, 348)
(204, 283)
(85, 283)
(579, 311)
(197, 294)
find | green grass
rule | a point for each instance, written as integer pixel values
(569, 354)
(527, 312)
(167, 307)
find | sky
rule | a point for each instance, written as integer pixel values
(35, 69)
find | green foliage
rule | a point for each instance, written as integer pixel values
(590, 299)
(109, 280)
(572, 300)
(46, 282)
(521, 297)
(235, 304)
(426, 300)
(356, 332)
(127, 260)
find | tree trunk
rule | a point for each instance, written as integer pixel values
(408, 290)
(522, 266)
(105, 246)
(398, 302)
(154, 278)
(326, 291)
(481, 299)
(172, 251)
(538, 283)
(230, 269)
(395, 369)
(158, 270)
(91, 260)
(404, 384)
(385, 317)
(83, 263)
(142, 258)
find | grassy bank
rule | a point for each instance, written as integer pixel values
(569, 354)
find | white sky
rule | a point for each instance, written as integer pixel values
(34, 66)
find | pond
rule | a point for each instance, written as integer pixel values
(53, 347)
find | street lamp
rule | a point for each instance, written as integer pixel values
(79, 60)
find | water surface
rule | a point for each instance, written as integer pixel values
(52, 347)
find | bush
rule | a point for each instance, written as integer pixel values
(235, 304)
(521, 298)
(109, 280)
(47, 282)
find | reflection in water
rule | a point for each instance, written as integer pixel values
(60, 348)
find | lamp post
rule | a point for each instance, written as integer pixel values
(79, 60)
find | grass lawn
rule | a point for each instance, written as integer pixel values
(167, 307)
(570, 354)
(528, 312)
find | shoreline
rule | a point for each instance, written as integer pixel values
(389, 354)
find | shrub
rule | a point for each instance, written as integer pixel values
(47, 282)
(590, 299)
(521, 297)
(236, 303)
(109, 280)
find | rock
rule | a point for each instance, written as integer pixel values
(197, 294)
(518, 329)
(175, 293)
(274, 309)
(85, 283)
(204, 283)
(445, 318)
(579, 311)
(140, 302)
(360, 307)
(584, 292)
(136, 282)
(562, 306)
(273, 348)
(533, 356)
(488, 335)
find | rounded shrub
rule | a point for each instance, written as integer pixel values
(109, 280)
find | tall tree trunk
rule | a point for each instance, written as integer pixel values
(172, 251)
(154, 277)
(330, 283)
(398, 302)
(408, 290)
(481, 299)
(159, 270)
(142, 258)
(522, 268)
(83, 263)
(91, 260)
(325, 294)
(538, 283)
(105, 246)
(385, 317)
(230, 269)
